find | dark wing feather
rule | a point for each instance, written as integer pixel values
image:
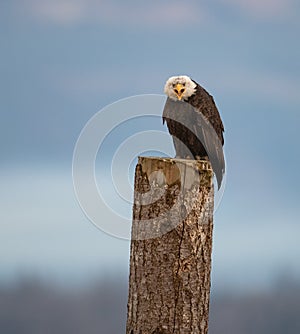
(205, 103)
(194, 135)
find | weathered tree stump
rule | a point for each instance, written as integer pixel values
(170, 259)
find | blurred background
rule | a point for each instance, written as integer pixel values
(64, 60)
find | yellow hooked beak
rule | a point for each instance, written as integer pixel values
(179, 89)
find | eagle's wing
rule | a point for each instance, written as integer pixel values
(188, 125)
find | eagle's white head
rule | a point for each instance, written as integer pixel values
(180, 87)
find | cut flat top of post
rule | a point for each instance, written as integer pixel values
(200, 164)
(186, 171)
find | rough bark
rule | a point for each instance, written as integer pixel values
(170, 260)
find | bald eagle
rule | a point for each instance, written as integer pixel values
(194, 122)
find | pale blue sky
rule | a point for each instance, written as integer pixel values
(63, 61)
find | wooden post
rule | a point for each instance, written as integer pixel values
(170, 259)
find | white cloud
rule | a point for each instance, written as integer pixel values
(117, 12)
(58, 11)
(262, 9)
(156, 13)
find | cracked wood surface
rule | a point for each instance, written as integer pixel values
(170, 257)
